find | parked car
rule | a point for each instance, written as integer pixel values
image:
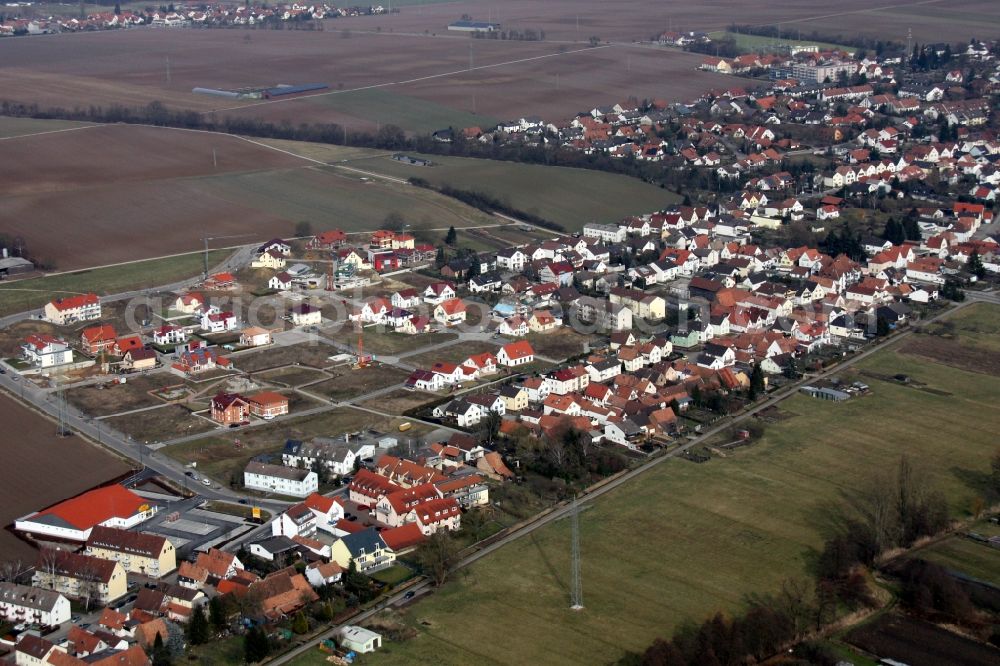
(243, 501)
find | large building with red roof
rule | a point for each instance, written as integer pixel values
(64, 311)
(74, 519)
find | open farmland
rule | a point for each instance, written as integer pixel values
(577, 20)
(570, 197)
(686, 539)
(408, 69)
(31, 293)
(42, 469)
(14, 127)
(156, 191)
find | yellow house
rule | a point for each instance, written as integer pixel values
(542, 321)
(514, 398)
(269, 259)
(139, 359)
(366, 548)
(138, 552)
(80, 576)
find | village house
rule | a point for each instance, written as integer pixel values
(280, 480)
(66, 311)
(96, 339)
(267, 405)
(138, 360)
(365, 548)
(516, 353)
(80, 576)
(45, 351)
(168, 335)
(216, 320)
(230, 408)
(24, 604)
(189, 303)
(450, 312)
(141, 553)
(438, 292)
(304, 314)
(255, 336)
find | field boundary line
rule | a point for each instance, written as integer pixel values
(419, 79)
(139, 261)
(64, 129)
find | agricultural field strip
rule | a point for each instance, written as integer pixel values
(821, 17)
(58, 131)
(419, 79)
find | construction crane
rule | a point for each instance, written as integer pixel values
(363, 358)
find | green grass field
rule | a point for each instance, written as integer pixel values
(571, 197)
(11, 127)
(334, 198)
(758, 44)
(966, 556)
(22, 295)
(410, 113)
(686, 539)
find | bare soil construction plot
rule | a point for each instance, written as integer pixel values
(161, 424)
(41, 469)
(136, 393)
(348, 384)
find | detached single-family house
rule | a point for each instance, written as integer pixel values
(45, 351)
(516, 353)
(450, 312)
(304, 314)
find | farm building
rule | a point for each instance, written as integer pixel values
(474, 26)
(14, 266)
(825, 393)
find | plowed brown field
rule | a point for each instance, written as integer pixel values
(41, 469)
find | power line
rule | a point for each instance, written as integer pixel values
(576, 591)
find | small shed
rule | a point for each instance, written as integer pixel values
(359, 639)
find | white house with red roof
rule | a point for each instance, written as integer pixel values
(65, 311)
(73, 520)
(450, 312)
(301, 520)
(45, 351)
(169, 335)
(215, 320)
(516, 353)
(438, 292)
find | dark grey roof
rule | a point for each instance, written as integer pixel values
(365, 541)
